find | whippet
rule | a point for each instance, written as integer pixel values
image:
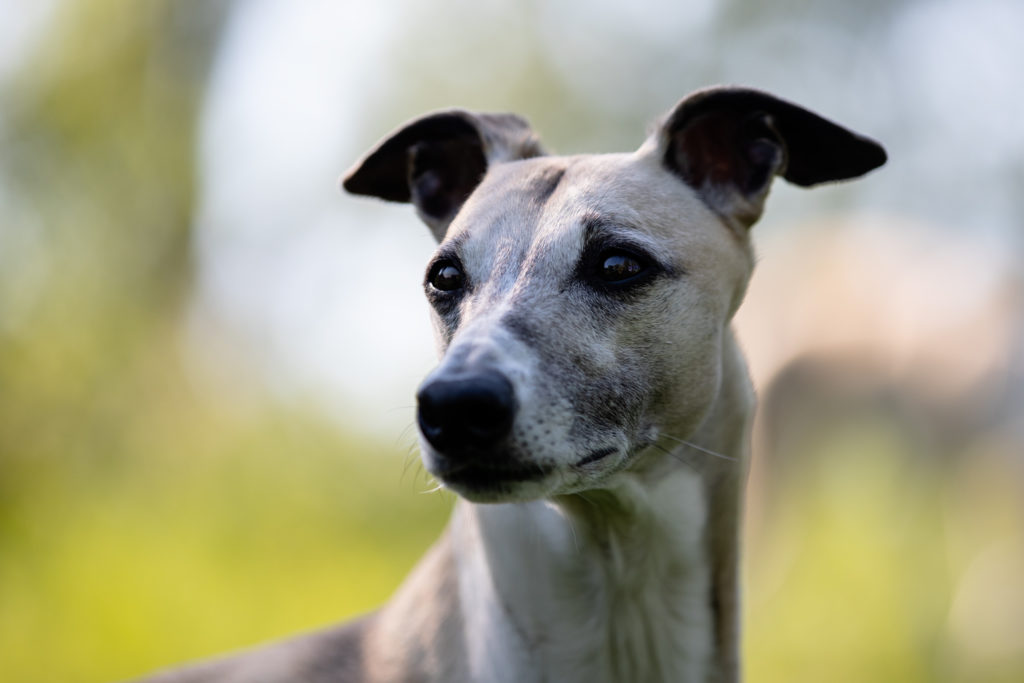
(591, 408)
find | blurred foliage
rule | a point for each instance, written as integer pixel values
(141, 521)
(144, 522)
(864, 565)
(99, 163)
(226, 535)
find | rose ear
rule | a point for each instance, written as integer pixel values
(436, 161)
(728, 144)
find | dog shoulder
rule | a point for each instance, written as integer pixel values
(334, 655)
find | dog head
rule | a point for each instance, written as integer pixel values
(580, 303)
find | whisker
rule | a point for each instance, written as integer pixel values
(572, 527)
(674, 456)
(698, 448)
(410, 459)
(408, 433)
(575, 538)
(438, 487)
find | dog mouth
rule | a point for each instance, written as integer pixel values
(487, 475)
(489, 481)
(595, 456)
(484, 476)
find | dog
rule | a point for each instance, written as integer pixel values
(591, 408)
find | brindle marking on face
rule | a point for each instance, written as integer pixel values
(545, 182)
(526, 198)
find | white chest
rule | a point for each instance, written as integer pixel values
(619, 592)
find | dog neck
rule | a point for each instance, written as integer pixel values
(636, 581)
(608, 587)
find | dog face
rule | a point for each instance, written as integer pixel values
(580, 303)
(599, 288)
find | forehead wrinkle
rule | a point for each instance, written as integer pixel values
(545, 183)
(586, 206)
(496, 232)
(596, 185)
(616, 190)
(586, 190)
(554, 249)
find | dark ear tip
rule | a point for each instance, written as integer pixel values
(870, 155)
(371, 178)
(852, 156)
(382, 172)
(351, 181)
(876, 154)
(347, 183)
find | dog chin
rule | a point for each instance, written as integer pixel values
(500, 492)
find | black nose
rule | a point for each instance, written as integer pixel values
(465, 413)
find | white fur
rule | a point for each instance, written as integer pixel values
(580, 595)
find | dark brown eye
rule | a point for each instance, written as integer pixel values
(619, 266)
(446, 276)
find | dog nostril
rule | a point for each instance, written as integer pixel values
(466, 413)
(429, 414)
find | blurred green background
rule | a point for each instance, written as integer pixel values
(208, 356)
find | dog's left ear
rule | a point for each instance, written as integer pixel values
(437, 160)
(728, 143)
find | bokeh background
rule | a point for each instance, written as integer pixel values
(208, 354)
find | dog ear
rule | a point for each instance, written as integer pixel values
(728, 143)
(437, 160)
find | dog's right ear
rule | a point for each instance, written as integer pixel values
(729, 143)
(437, 160)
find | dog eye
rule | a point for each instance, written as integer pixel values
(620, 266)
(446, 276)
